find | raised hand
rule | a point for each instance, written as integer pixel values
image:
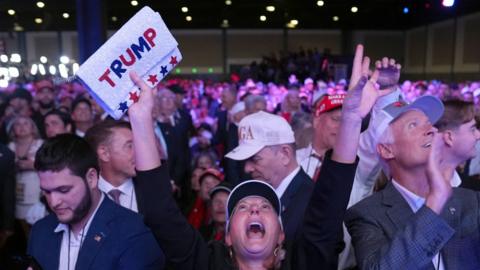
(440, 187)
(363, 92)
(389, 73)
(145, 104)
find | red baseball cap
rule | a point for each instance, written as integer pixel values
(328, 103)
(213, 172)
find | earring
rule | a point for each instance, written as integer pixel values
(275, 252)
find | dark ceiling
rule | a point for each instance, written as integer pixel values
(372, 14)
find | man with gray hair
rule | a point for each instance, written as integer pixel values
(267, 144)
(418, 221)
(255, 103)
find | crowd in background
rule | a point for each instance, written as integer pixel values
(197, 121)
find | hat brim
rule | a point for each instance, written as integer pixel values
(252, 188)
(244, 151)
(431, 106)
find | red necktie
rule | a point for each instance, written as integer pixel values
(115, 193)
(317, 169)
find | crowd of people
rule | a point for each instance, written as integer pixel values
(369, 173)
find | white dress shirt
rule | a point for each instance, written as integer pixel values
(308, 158)
(285, 182)
(71, 243)
(127, 198)
(416, 202)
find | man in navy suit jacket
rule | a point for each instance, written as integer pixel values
(86, 230)
(267, 145)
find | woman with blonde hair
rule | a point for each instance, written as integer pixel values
(25, 141)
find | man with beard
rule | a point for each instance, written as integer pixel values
(86, 230)
(45, 97)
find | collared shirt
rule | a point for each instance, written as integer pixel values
(79, 133)
(127, 198)
(71, 244)
(161, 139)
(286, 182)
(416, 202)
(308, 158)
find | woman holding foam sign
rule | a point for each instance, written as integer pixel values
(254, 233)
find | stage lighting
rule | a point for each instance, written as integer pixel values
(263, 18)
(335, 18)
(11, 12)
(405, 10)
(34, 69)
(448, 3)
(4, 58)
(43, 59)
(38, 20)
(188, 18)
(228, 2)
(52, 69)
(64, 59)
(225, 23)
(134, 3)
(184, 9)
(354, 9)
(63, 70)
(41, 69)
(66, 15)
(320, 3)
(270, 8)
(75, 68)
(17, 27)
(13, 71)
(40, 4)
(15, 58)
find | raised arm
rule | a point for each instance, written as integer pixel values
(369, 165)
(183, 245)
(323, 238)
(140, 113)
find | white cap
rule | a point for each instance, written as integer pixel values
(258, 130)
(431, 106)
(308, 80)
(476, 92)
(238, 107)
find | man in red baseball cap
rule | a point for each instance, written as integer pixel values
(326, 120)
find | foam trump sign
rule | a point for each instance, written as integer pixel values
(144, 44)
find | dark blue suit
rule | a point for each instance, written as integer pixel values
(294, 203)
(117, 239)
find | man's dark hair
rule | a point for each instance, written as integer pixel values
(79, 100)
(66, 151)
(103, 131)
(65, 117)
(457, 113)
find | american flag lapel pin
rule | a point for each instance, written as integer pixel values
(97, 238)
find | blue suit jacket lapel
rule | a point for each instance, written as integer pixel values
(97, 234)
(452, 214)
(290, 191)
(55, 245)
(399, 212)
